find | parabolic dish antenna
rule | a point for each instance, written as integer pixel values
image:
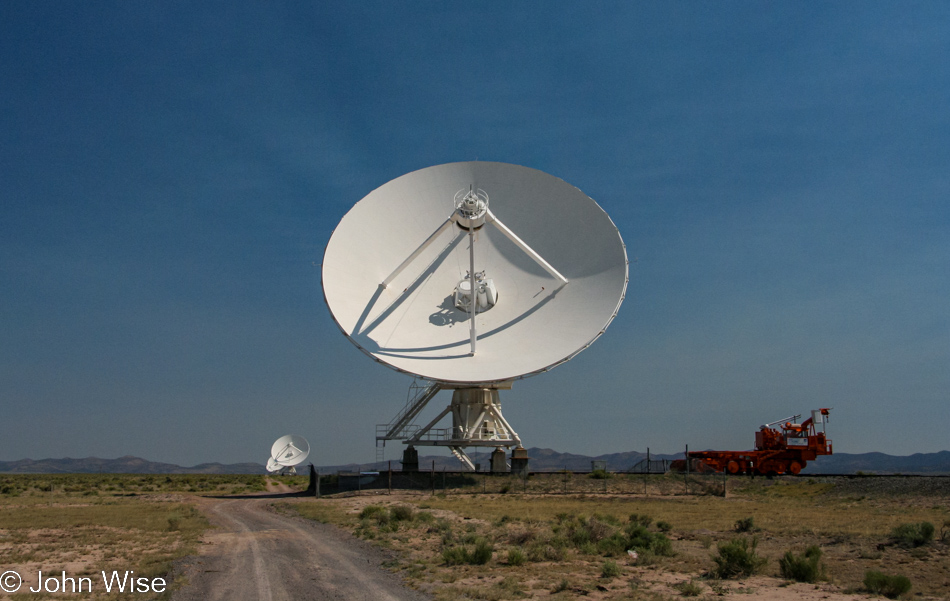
(472, 275)
(288, 451)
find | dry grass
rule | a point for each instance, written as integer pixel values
(852, 531)
(39, 488)
(83, 534)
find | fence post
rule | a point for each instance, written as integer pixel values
(686, 477)
(390, 476)
(647, 474)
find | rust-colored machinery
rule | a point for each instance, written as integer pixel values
(783, 446)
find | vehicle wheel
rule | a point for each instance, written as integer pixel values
(732, 467)
(780, 467)
(795, 468)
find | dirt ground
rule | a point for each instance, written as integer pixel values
(254, 553)
(578, 575)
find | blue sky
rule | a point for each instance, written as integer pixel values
(171, 172)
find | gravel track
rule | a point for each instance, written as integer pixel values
(258, 554)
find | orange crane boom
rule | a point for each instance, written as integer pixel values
(783, 446)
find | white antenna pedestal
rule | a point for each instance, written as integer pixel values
(477, 421)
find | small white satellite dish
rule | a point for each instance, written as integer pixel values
(288, 451)
(473, 275)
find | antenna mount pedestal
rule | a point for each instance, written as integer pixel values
(477, 421)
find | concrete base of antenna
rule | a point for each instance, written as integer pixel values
(410, 459)
(519, 461)
(499, 464)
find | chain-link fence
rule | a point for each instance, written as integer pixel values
(598, 481)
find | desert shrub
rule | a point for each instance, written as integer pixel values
(482, 554)
(599, 529)
(891, 587)
(606, 518)
(588, 549)
(643, 520)
(638, 536)
(641, 539)
(647, 558)
(689, 588)
(664, 526)
(738, 558)
(745, 525)
(913, 535)
(371, 511)
(516, 557)
(455, 556)
(401, 513)
(540, 551)
(522, 537)
(424, 517)
(563, 585)
(613, 545)
(470, 538)
(610, 569)
(802, 568)
(505, 488)
(661, 545)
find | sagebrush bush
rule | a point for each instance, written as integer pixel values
(482, 554)
(913, 535)
(610, 569)
(401, 513)
(424, 517)
(891, 587)
(745, 525)
(738, 558)
(612, 546)
(689, 588)
(664, 526)
(802, 568)
(516, 557)
(644, 520)
(455, 556)
(371, 511)
(540, 551)
(641, 539)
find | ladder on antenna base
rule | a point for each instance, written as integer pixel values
(400, 426)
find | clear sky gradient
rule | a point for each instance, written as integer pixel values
(170, 174)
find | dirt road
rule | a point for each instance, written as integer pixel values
(259, 555)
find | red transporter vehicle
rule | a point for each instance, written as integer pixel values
(786, 449)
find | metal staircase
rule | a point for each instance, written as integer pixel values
(401, 426)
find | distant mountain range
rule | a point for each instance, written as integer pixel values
(122, 465)
(541, 460)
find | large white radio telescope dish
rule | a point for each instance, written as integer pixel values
(550, 272)
(289, 450)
